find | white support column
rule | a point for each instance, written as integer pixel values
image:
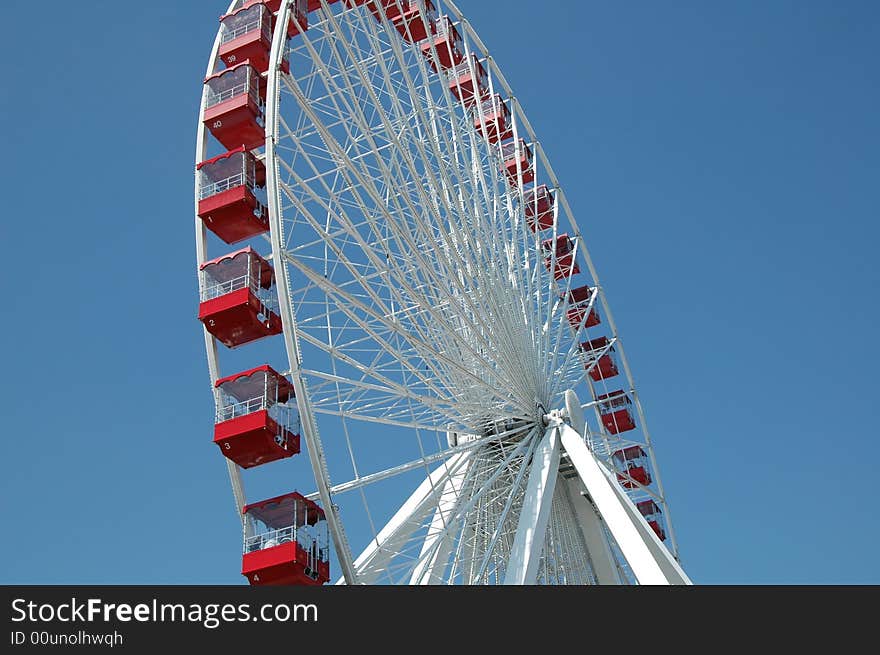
(671, 568)
(430, 570)
(397, 531)
(594, 535)
(644, 561)
(522, 566)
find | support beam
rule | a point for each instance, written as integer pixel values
(374, 559)
(430, 570)
(591, 527)
(644, 561)
(671, 568)
(528, 544)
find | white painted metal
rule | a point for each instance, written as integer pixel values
(309, 426)
(606, 308)
(593, 532)
(374, 560)
(575, 413)
(613, 507)
(235, 481)
(431, 568)
(522, 568)
(670, 566)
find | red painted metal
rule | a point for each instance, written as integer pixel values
(605, 366)
(406, 16)
(655, 526)
(273, 511)
(260, 167)
(267, 273)
(284, 564)
(629, 453)
(314, 5)
(614, 411)
(299, 17)
(252, 45)
(517, 155)
(238, 119)
(448, 43)
(539, 208)
(237, 318)
(468, 81)
(255, 439)
(496, 123)
(579, 297)
(287, 562)
(566, 266)
(234, 215)
(619, 421)
(638, 473)
(576, 314)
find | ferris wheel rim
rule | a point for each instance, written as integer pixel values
(201, 239)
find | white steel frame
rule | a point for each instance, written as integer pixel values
(415, 299)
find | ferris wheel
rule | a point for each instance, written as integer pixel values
(417, 353)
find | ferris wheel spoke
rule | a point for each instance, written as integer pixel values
(425, 351)
(359, 387)
(574, 348)
(425, 460)
(488, 468)
(514, 497)
(564, 325)
(460, 342)
(392, 539)
(428, 124)
(566, 558)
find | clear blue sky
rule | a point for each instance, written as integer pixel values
(722, 159)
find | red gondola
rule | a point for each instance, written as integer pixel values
(562, 248)
(634, 462)
(314, 5)
(229, 195)
(648, 509)
(598, 358)
(299, 15)
(492, 119)
(579, 298)
(406, 16)
(254, 423)
(539, 207)
(448, 43)
(614, 411)
(286, 542)
(468, 81)
(234, 101)
(517, 158)
(237, 303)
(246, 35)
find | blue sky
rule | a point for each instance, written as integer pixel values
(721, 158)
